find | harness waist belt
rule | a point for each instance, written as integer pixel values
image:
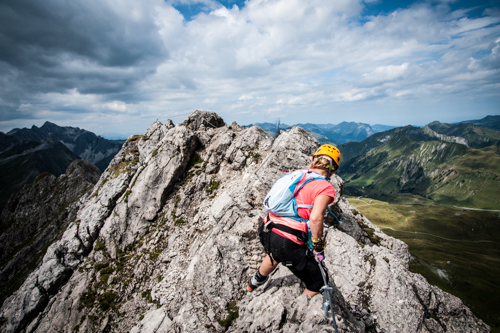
(300, 234)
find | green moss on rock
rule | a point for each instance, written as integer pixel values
(195, 159)
(232, 314)
(107, 300)
(42, 176)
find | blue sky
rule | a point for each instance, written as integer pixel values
(117, 66)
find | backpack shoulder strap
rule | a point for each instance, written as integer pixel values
(310, 176)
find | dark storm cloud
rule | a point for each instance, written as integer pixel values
(55, 45)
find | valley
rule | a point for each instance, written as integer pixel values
(410, 161)
(454, 248)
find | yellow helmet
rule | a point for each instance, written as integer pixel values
(331, 152)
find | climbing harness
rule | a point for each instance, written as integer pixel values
(326, 290)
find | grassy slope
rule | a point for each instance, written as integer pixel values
(470, 241)
(446, 172)
(476, 181)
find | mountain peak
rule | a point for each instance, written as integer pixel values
(201, 119)
(49, 124)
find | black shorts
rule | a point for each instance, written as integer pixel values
(293, 256)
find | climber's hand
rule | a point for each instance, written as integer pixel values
(319, 256)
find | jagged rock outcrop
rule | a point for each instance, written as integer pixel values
(37, 215)
(167, 242)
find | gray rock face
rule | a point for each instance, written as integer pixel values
(167, 242)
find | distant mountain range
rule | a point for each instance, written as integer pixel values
(356, 132)
(25, 153)
(83, 143)
(449, 163)
(492, 122)
(331, 133)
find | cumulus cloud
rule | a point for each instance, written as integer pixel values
(117, 106)
(245, 97)
(139, 61)
(57, 46)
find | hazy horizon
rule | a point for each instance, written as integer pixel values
(120, 136)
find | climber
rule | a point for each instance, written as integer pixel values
(287, 241)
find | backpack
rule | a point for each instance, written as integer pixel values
(281, 199)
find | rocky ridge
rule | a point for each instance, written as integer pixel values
(166, 242)
(474, 136)
(445, 138)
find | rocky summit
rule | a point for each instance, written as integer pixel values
(167, 242)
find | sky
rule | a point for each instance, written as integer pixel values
(116, 66)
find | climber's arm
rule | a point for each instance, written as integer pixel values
(318, 212)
